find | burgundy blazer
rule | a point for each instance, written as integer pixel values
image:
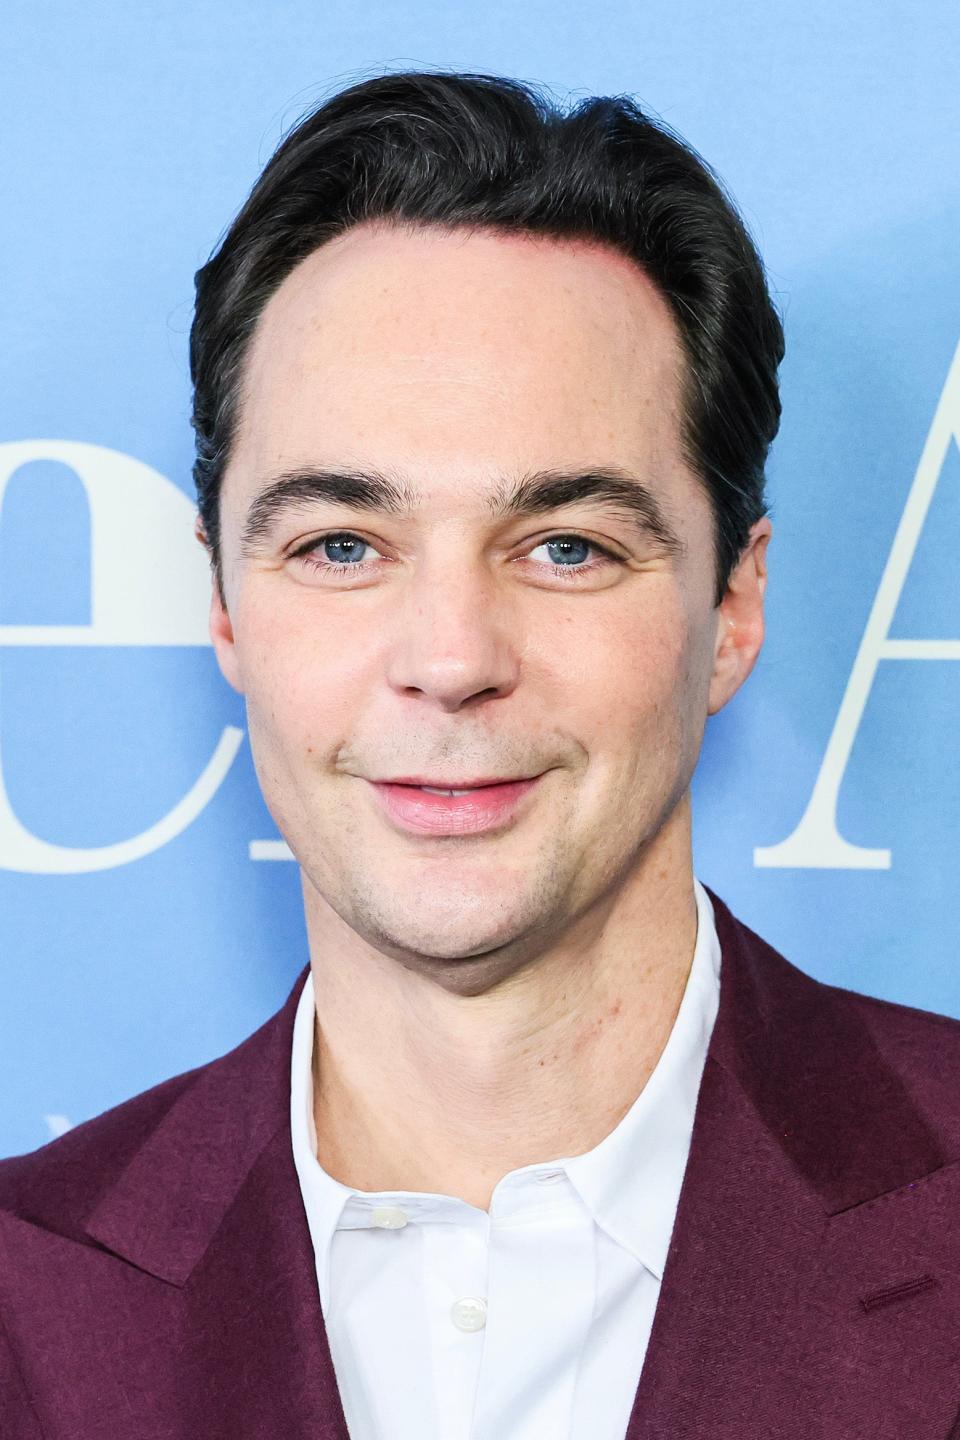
(157, 1280)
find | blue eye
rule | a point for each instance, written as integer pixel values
(571, 556)
(343, 549)
(342, 552)
(339, 553)
(568, 549)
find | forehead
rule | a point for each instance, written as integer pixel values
(457, 354)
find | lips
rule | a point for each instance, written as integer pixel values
(422, 807)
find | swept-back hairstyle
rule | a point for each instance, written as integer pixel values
(486, 151)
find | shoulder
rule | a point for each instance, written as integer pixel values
(922, 1045)
(59, 1184)
(46, 1255)
(197, 1113)
(852, 1035)
(185, 1126)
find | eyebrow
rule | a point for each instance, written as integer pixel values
(536, 493)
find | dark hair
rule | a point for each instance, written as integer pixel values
(485, 151)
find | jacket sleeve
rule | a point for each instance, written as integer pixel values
(18, 1418)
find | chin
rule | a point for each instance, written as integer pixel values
(464, 953)
(454, 942)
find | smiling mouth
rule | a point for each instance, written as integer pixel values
(421, 808)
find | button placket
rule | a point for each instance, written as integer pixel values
(456, 1270)
(540, 1319)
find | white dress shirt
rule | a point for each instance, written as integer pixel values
(529, 1321)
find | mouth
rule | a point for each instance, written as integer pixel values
(427, 806)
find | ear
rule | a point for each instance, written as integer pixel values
(740, 624)
(221, 626)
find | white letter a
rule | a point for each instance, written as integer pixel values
(816, 843)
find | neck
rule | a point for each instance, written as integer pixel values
(420, 1089)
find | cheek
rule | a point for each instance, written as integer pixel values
(301, 678)
(642, 723)
(633, 674)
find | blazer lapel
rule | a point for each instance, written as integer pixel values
(256, 1347)
(210, 1205)
(764, 1324)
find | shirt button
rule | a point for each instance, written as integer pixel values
(389, 1217)
(469, 1313)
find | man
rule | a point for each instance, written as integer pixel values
(544, 1142)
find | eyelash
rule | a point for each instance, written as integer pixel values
(331, 568)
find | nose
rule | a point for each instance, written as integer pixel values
(452, 643)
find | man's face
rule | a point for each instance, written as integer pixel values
(444, 626)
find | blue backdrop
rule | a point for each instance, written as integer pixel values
(148, 917)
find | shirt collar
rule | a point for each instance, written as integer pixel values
(323, 1196)
(630, 1181)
